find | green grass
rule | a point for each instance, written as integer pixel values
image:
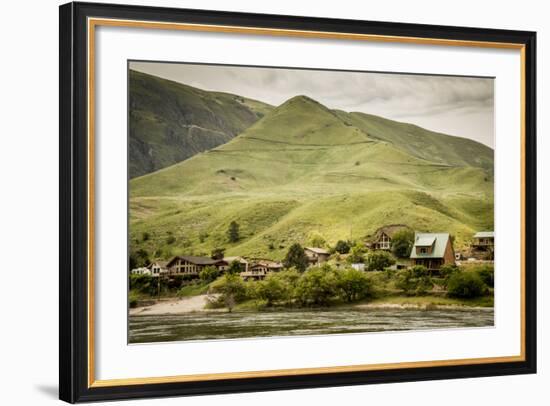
(194, 289)
(304, 170)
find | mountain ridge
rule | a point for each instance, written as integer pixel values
(304, 170)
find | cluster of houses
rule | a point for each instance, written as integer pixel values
(431, 250)
(251, 269)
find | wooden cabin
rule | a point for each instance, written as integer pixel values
(259, 269)
(484, 240)
(383, 236)
(316, 256)
(190, 265)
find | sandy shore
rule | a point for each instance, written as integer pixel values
(175, 306)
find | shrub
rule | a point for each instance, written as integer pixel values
(272, 289)
(465, 285)
(356, 255)
(231, 290)
(317, 286)
(145, 236)
(487, 274)
(353, 284)
(342, 247)
(143, 284)
(234, 268)
(446, 271)
(209, 274)
(133, 299)
(414, 281)
(217, 253)
(379, 260)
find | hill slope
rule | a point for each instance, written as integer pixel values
(170, 122)
(304, 170)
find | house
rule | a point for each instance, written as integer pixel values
(242, 262)
(141, 271)
(484, 240)
(432, 250)
(383, 236)
(259, 269)
(157, 268)
(190, 265)
(316, 256)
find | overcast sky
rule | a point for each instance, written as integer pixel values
(452, 105)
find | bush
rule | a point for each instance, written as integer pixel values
(209, 274)
(414, 281)
(132, 299)
(356, 255)
(272, 289)
(342, 247)
(465, 285)
(487, 274)
(231, 290)
(379, 260)
(317, 286)
(353, 285)
(144, 284)
(446, 271)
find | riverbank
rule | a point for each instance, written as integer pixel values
(198, 303)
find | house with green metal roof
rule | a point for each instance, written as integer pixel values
(432, 250)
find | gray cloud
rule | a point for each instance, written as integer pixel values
(453, 105)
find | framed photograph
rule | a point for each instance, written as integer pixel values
(259, 202)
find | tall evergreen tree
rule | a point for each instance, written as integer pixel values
(296, 257)
(233, 232)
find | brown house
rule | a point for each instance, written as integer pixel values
(191, 265)
(259, 269)
(432, 250)
(484, 240)
(316, 256)
(383, 236)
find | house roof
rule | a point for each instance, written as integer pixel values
(317, 250)
(162, 264)
(390, 230)
(195, 260)
(267, 263)
(438, 242)
(484, 234)
(238, 259)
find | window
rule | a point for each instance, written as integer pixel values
(423, 250)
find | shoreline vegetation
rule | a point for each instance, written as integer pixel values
(318, 288)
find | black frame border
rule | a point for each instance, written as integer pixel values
(73, 197)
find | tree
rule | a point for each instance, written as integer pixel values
(271, 289)
(487, 274)
(317, 286)
(402, 243)
(317, 240)
(138, 259)
(356, 255)
(231, 290)
(217, 253)
(379, 260)
(296, 257)
(446, 271)
(414, 281)
(465, 285)
(209, 274)
(233, 232)
(342, 247)
(234, 268)
(353, 284)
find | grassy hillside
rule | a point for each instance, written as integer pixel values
(170, 122)
(304, 170)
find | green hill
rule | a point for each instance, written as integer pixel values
(170, 122)
(304, 170)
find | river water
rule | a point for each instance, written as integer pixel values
(203, 326)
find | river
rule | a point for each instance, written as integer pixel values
(216, 325)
